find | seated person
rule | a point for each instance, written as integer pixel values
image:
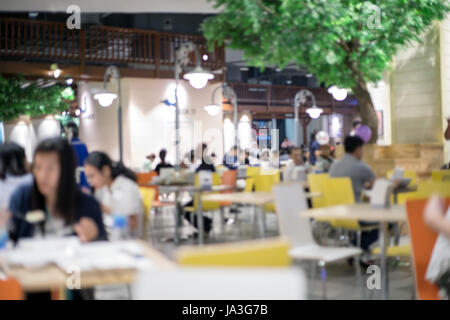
(438, 270)
(296, 160)
(206, 165)
(361, 175)
(67, 211)
(13, 171)
(116, 189)
(324, 160)
(230, 160)
(163, 163)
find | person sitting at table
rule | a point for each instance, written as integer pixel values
(324, 160)
(163, 163)
(206, 165)
(361, 176)
(13, 171)
(296, 160)
(352, 166)
(115, 188)
(438, 270)
(230, 160)
(67, 210)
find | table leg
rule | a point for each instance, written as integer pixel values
(178, 213)
(383, 261)
(199, 218)
(261, 217)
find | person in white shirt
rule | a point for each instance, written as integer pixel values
(13, 171)
(296, 160)
(116, 189)
(149, 163)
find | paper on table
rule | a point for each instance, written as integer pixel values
(380, 193)
(65, 253)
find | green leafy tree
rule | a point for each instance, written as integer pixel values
(347, 43)
(31, 100)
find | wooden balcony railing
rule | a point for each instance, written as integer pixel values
(43, 40)
(283, 96)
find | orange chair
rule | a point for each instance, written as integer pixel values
(228, 179)
(10, 289)
(422, 242)
(144, 178)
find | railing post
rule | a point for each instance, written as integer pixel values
(82, 49)
(157, 48)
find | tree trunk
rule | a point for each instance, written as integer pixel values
(367, 110)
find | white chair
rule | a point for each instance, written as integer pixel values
(290, 201)
(218, 283)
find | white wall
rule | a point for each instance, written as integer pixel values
(445, 80)
(380, 94)
(416, 92)
(149, 124)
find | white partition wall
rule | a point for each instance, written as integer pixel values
(148, 122)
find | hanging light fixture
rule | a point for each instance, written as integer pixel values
(338, 94)
(212, 109)
(198, 78)
(314, 112)
(104, 97)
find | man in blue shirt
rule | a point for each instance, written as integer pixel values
(313, 148)
(80, 150)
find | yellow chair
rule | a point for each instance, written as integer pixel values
(253, 253)
(406, 174)
(402, 197)
(338, 191)
(440, 175)
(264, 183)
(252, 172)
(147, 195)
(206, 205)
(395, 251)
(317, 184)
(427, 188)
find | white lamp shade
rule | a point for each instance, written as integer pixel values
(198, 78)
(105, 99)
(212, 109)
(340, 94)
(314, 112)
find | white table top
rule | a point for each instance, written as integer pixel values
(358, 211)
(192, 189)
(252, 198)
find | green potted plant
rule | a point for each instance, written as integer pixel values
(19, 104)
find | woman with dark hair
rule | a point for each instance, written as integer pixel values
(67, 210)
(115, 188)
(13, 171)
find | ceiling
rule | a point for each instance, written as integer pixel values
(129, 6)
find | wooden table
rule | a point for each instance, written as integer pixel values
(51, 277)
(364, 212)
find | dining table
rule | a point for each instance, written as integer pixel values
(367, 213)
(196, 191)
(52, 277)
(256, 199)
